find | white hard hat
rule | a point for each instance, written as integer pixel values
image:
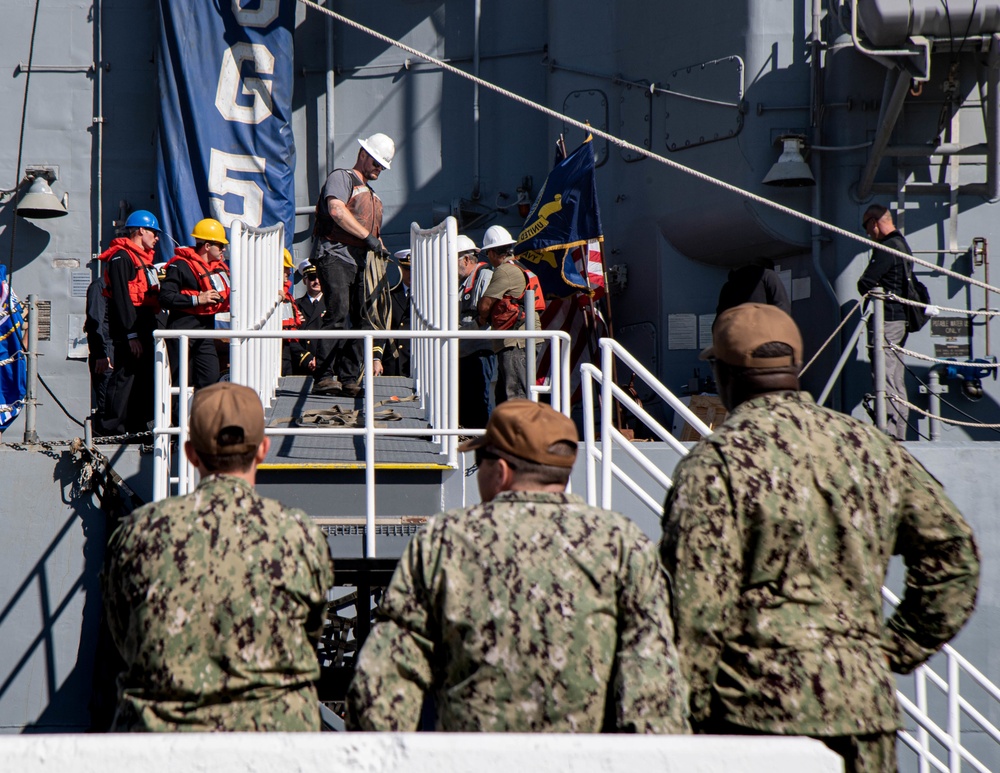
(465, 244)
(380, 147)
(497, 236)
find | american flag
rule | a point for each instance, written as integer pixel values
(589, 261)
(579, 316)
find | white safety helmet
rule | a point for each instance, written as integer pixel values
(465, 244)
(497, 236)
(380, 147)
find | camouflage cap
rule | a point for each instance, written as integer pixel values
(226, 406)
(739, 331)
(526, 430)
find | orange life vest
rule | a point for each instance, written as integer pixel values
(144, 288)
(508, 312)
(211, 275)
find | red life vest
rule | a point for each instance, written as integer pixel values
(508, 312)
(291, 314)
(211, 275)
(144, 288)
(364, 204)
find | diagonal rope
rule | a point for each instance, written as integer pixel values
(587, 128)
(826, 343)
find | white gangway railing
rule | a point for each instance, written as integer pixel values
(434, 359)
(930, 736)
(257, 273)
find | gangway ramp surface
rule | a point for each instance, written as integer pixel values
(324, 474)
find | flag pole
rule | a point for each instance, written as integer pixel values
(611, 331)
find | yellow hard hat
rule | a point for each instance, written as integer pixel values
(288, 260)
(209, 230)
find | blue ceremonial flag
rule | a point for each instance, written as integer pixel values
(565, 215)
(225, 146)
(13, 369)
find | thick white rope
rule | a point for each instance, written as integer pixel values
(868, 243)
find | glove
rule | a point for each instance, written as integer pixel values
(373, 244)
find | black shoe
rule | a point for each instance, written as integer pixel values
(351, 390)
(327, 386)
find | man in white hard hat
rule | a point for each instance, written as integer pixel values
(476, 362)
(502, 306)
(348, 221)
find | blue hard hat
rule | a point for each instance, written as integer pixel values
(142, 218)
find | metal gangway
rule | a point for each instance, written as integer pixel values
(937, 709)
(255, 337)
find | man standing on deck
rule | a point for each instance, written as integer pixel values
(529, 612)
(212, 598)
(348, 221)
(132, 288)
(777, 533)
(195, 289)
(502, 304)
(311, 306)
(888, 272)
(476, 361)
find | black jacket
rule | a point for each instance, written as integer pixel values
(888, 272)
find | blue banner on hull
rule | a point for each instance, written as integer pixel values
(225, 146)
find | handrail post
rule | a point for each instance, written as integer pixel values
(607, 367)
(183, 465)
(934, 391)
(529, 324)
(369, 393)
(162, 420)
(587, 392)
(954, 715)
(878, 360)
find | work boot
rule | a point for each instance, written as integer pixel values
(328, 385)
(351, 390)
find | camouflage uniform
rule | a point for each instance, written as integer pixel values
(528, 613)
(210, 598)
(777, 532)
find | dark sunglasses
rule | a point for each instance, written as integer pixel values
(864, 225)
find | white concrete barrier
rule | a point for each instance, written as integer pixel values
(411, 752)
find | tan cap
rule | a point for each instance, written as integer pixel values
(525, 429)
(738, 331)
(222, 406)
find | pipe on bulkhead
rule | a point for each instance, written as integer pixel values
(993, 121)
(330, 129)
(476, 19)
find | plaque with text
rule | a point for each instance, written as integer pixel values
(950, 327)
(958, 351)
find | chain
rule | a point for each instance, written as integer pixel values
(45, 447)
(128, 436)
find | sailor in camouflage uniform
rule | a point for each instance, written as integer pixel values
(211, 598)
(777, 533)
(529, 612)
